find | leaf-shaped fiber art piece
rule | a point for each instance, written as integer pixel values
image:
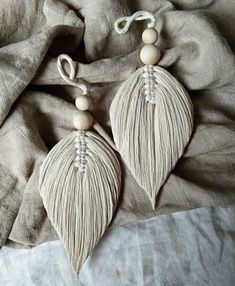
(79, 184)
(152, 120)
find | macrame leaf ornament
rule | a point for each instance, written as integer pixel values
(151, 117)
(80, 199)
(79, 184)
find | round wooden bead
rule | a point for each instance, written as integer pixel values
(150, 36)
(82, 120)
(83, 102)
(150, 55)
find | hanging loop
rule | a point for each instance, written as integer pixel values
(122, 24)
(69, 79)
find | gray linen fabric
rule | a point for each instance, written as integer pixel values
(187, 248)
(36, 107)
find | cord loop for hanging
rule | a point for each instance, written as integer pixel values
(69, 79)
(122, 24)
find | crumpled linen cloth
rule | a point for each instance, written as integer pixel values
(193, 248)
(36, 106)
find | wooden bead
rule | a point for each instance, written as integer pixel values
(82, 120)
(150, 36)
(83, 102)
(150, 55)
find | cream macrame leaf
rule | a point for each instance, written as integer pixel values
(152, 120)
(80, 199)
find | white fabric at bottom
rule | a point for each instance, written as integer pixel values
(186, 248)
(43, 265)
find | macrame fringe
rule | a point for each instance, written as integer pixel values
(152, 120)
(79, 184)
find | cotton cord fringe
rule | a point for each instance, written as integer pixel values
(152, 120)
(79, 184)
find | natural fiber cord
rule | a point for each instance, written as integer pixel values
(152, 120)
(79, 184)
